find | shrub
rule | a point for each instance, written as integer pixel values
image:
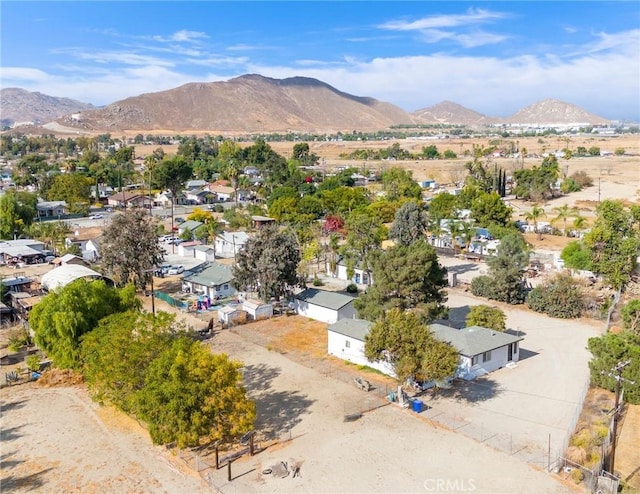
(576, 256)
(317, 282)
(18, 338)
(631, 316)
(352, 288)
(33, 363)
(582, 179)
(570, 185)
(482, 286)
(559, 297)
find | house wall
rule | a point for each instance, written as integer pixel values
(204, 256)
(359, 278)
(324, 314)
(213, 292)
(498, 359)
(352, 350)
(262, 312)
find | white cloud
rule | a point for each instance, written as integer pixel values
(106, 57)
(468, 40)
(17, 75)
(219, 61)
(182, 36)
(473, 16)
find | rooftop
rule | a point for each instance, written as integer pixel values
(473, 340)
(324, 298)
(353, 328)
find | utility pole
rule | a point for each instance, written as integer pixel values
(616, 373)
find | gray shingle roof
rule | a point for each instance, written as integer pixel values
(324, 298)
(353, 328)
(473, 340)
(213, 275)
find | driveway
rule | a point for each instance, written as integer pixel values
(530, 409)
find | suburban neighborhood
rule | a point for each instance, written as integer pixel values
(432, 312)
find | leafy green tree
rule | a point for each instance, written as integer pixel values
(488, 208)
(17, 210)
(61, 318)
(505, 280)
(443, 206)
(576, 256)
(268, 264)
(536, 184)
(190, 394)
(399, 183)
(344, 200)
(172, 174)
(558, 297)
(614, 241)
(594, 151)
(487, 317)
(631, 316)
(406, 277)
(410, 224)
(407, 344)
(608, 351)
(74, 189)
(130, 249)
(116, 354)
(383, 209)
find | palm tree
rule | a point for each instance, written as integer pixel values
(564, 213)
(533, 215)
(579, 223)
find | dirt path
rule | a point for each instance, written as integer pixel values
(628, 452)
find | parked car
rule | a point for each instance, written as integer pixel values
(96, 216)
(178, 269)
(179, 220)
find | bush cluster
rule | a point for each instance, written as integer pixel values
(559, 297)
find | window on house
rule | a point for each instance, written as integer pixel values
(357, 278)
(486, 356)
(347, 344)
(474, 360)
(225, 287)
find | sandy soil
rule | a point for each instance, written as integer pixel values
(56, 440)
(628, 452)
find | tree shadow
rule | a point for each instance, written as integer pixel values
(6, 462)
(10, 434)
(456, 317)
(22, 484)
(14, 405)
(258, 377)
(279, 412)
(463, 268)
(475, 391)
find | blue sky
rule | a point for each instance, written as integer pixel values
(492, 57)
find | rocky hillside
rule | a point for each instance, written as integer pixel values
(553, 111)
(21, 106)
(250, 103)
(451, 113)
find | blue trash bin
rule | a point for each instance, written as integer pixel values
(417, 406)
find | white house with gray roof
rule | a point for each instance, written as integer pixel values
(481, 350)
(211, 279)
(345, 340)
(324, 306)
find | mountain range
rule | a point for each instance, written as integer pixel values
(253, 103)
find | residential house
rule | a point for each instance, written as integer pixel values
(51, 209)
(228, 244)
(87, 240)
(260, 221)
(204, 253)
(324, 306)
(222, 192)
(481, 350)
(211, 279)
(21, 250)
(345, 340)
(104, 191)
(360, 276)
(189, 225)
(131, 199)
(69, 259)
(199, 196)
(195, 184)
(187, 249)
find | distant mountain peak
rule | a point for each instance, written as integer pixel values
(448, 112)
(21, 106)
(552, 111)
